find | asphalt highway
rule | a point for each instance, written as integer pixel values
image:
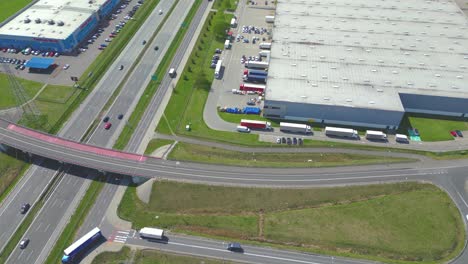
(54, 213)
(217, 249)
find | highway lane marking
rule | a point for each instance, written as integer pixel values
(461, 198)
(249, 254)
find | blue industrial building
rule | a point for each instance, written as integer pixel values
(55, 25)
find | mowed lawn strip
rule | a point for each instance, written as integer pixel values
(147, 256)
(393, 223)
(206, 154)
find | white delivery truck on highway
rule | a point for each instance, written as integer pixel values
(295, 128)
(265, 45)
(172, 73)
(152, 233)
(376, 135)
(401, 138)
(341, 132)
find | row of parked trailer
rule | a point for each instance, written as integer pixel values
(246, 125)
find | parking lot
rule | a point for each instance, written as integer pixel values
(245, 43)
(74, 64)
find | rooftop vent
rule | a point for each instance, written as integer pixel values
(60, 23)
(27, 20)
(51, 22)
(37, 20)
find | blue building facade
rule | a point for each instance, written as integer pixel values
(66, 45)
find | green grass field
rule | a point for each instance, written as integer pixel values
(7, 98)
(11, 7)
(146, 256)
(393, 223)
(52, 102)
(10, 168)
(205, 154)
(154, 144)
(433, 129)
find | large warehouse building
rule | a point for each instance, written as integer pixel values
(55, 25)
(366, 63)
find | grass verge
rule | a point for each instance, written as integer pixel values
(12, 165)
(154, 144)
(149, 92)
(389, 222)
(9, 8)
(207, 154)
(8, 99)
(68, 235)
(147, 256)
(433, 128)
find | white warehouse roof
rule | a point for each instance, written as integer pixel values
(362, 53)
(36, 21)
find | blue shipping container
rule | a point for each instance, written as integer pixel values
(252, 110)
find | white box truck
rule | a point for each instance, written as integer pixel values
(341, 132)
(227, 44)
(264, 53)
(153, 233)
(172, 73)
(265, 45)
(269, 19)
(295, 128)
(217, 72)
(233, 23)
(376, 135)
(401, 138)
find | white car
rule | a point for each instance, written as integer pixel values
(108, 40)
(66, 66)
(160, 11)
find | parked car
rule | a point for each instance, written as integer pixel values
(453, 133)
(459, 133)
(120, 116)
(105, 119)
(278, 140)
(107, 126)
(66, 66)
(218, 51)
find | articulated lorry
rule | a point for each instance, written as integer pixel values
(256, 64)
(341, 132)
(376, 135)
(260, 88)
(152, 233)
(255, 78)
(256, 124)
(295, 128)
(257, 72)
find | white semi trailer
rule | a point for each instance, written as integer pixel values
(153, 233)
(341, 132)
(376, 135)
(295, 128)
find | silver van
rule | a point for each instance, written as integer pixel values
(243, 129)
